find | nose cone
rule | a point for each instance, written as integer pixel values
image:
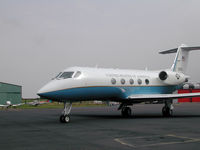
(49, 87)
(42, 92)
(44, 89)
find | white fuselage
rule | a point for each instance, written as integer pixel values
(104, 84)
(125, 86)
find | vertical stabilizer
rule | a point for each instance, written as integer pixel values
(182, 56)
(181, 60)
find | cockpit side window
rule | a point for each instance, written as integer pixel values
(58, 75)
(78, 73)
(66, 75)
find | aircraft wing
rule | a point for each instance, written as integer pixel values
(36, 103)
(4, 105)
(43, 103)
(162, 96)
(15, 105)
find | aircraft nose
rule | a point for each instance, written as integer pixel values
(45, 89)
(42, 92)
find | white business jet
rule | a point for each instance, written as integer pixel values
(125, 86)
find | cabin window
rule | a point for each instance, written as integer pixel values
(139, 81)
(66, 75)
(131, 81)
(123, 81)
(78, 73)
(146, 81)
(113, 81)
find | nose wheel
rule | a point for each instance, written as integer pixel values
(65, 118)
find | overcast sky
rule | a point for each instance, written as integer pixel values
(39, 38)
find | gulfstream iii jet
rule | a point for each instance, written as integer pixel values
(125, 86)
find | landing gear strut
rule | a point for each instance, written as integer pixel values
(167, 110)
(125, 110)
(65, 118)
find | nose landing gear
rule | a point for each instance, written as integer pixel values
(65, 118)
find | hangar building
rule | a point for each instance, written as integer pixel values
(10, 92)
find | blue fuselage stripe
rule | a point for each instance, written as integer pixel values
(105, 93)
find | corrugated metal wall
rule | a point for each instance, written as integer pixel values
(10, 92)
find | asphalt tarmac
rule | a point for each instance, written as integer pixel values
(101, 128)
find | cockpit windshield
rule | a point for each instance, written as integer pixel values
(66, 75)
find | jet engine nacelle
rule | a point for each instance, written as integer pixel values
(172, 78)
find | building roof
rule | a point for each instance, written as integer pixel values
(10, 84)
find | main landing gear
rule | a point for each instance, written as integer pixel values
(125, 110)
(65, 118)
(167, 110)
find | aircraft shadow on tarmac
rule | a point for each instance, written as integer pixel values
(78, 118)
(139, 116)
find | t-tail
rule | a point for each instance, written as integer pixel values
(182, 56)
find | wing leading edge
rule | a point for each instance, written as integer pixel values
(162, 96)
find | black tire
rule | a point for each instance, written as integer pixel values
(62, 118)
(167, 112)
(126, 112)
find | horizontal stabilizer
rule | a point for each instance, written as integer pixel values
(191, 48)
(162, 96)
(169, 51)
(176, 49)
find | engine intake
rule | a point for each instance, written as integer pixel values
(172, 78)
(163, 75)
